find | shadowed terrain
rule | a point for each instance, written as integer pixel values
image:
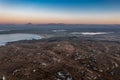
(63, 59)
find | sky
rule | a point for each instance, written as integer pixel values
(60, 11)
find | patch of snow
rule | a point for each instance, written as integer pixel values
(44, 64)
(90, 33)
(3, 78)
(15, 71)
(58, 30)
(64, 75)
(116, 65)
(61, 74)
(34, 70)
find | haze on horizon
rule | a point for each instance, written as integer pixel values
(60, 11)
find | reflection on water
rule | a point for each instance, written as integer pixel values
(4, 38)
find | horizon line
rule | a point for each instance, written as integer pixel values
(56, 24)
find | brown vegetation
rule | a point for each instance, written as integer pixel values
(63, 60)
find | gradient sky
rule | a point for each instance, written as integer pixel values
(60, 11)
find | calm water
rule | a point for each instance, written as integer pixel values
(5, 38)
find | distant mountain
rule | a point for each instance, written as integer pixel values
(29, 23)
